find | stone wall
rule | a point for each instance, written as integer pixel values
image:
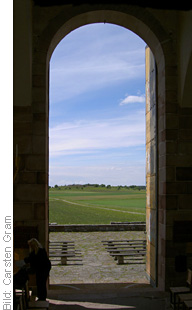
(90, 228)
(37, 30)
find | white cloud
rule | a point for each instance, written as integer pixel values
(133, 99)
(74, 79)
(85, 136)
(92, 57)
(113, 175)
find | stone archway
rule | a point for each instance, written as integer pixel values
(135, 19)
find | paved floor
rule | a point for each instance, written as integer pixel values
(107, 296)
(96, 265)
(97, 282)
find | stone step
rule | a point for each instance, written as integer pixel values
(38, 304)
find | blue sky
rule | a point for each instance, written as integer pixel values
(97, 107)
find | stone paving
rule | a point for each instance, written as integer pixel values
(96, 265)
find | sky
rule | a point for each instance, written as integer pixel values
(97, 108)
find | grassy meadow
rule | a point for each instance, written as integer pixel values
(96, 205)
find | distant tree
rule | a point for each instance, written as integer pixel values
(56, 186)
(102, 185)
(108, 186)
(132, 186)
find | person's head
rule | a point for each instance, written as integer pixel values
(34, 245)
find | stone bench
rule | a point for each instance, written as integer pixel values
(128, 251)
(62, 244)
(125, 247)
(126, 241)
(119, 249)
(57, 247)
(120, 256)
(62, 250)
(63, 257)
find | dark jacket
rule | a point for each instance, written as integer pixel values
(39, 262)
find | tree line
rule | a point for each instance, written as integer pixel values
(80, 186)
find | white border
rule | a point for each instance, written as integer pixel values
(6, 154)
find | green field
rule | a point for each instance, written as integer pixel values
(96, 205)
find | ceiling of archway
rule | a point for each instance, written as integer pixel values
(176, 5)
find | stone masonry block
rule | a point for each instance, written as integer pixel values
(27, 177)
(176, 188)
(162, 148)
(162, 174)
(184, 202)
(172, 121)
(171, 96)
(162, 231)
(29, 192)
(39, 117)
(184, 173)
(38, 94)
(161, 216)
(180, 160)
(185, 111)
(170, 174)
(171, 147)
(172, 202)
(39, 145)
(161, 123)
(162, 160)
(35, 163)
(24, 143)
(162, 202)
(39, 69)
(39, 128)
(185, 147)
(39, 80)
(171, 107)
(171, 134)
(185, 122)
(169, 233)
(185, 134)
(177, 215)
(23, 211)
(22, 127)
(39, 107)
(41, 177)
(39, 211)
(39, 124)
(22, 114)
(189, 187)
(162, 188)
(171, 81)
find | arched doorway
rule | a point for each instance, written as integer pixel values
(88, 144)
(131, 19)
